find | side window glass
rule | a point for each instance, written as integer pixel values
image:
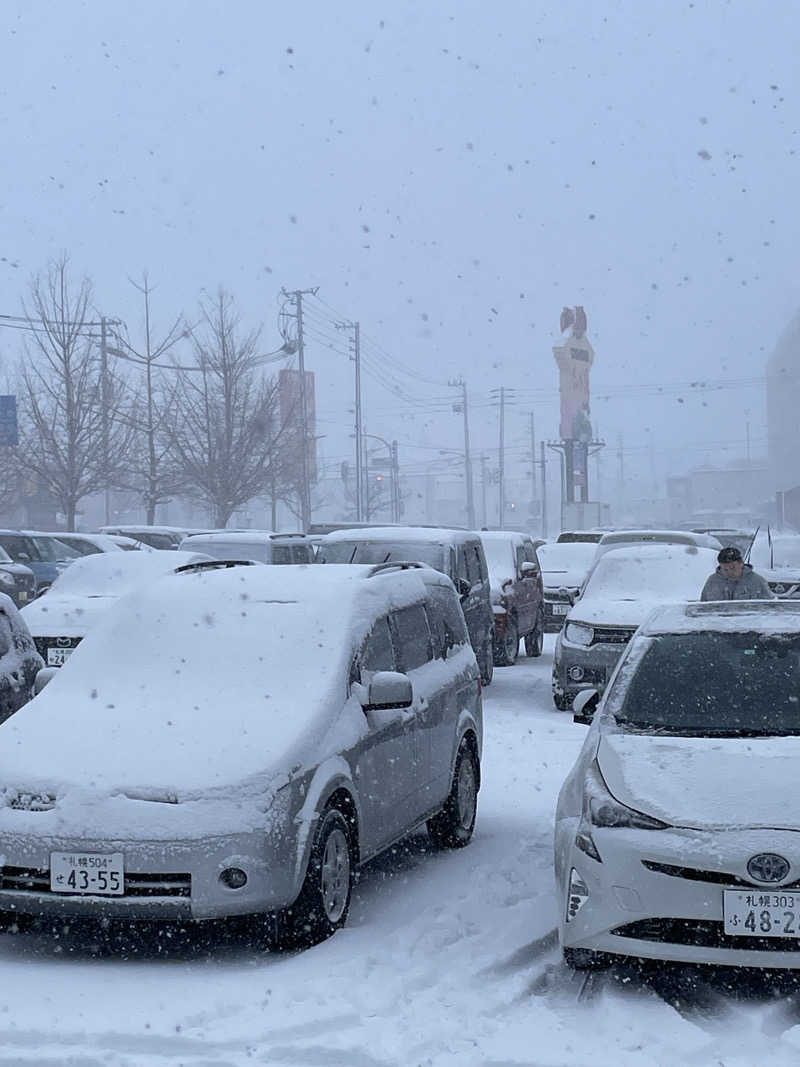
(530, 552)
(377, 653)
(474, 575)
(461, 564)
(280, 554)
(519, 553)
(412, 639)
(448, 628)
(301, 554)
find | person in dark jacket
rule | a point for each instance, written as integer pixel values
(735, 580)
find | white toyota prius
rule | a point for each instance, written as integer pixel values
(677, 831)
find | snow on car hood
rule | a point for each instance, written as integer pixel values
(202, 680)
(56, 616)
(612, 612)
(705, 782)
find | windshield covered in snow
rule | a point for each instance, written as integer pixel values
(500, 559)
(382, 552)
(710, 684)
(564, 558)
(650, 574)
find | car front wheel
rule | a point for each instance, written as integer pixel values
(324, 901)
(453, 826)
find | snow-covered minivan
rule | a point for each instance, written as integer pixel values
(235, 741)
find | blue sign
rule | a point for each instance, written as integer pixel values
(9, 434)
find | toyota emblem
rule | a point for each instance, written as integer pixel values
(767, 867)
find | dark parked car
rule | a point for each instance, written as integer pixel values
(456, 553)
(517, 597)
(16, 580)
(45, 556)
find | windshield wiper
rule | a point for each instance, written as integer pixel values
(704, 731)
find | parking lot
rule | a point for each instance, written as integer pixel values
(448, 958)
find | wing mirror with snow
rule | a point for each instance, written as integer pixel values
(387, 691)
(43, 676)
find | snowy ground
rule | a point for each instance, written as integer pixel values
(448, 959)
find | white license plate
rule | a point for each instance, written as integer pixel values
(23, 596)
(57, 657)
(561, 609)
(761, 913)
(82, 873)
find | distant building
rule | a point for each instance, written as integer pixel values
(783, 409)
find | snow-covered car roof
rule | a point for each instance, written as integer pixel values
(205, 678)
(434, 535)
(675, 537)
(241, 537)
(143, 528)
(768, 616)
(105, 542)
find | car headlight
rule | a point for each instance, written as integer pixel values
(578, 633)
(7, 580)
(600, 808)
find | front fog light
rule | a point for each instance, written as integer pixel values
(575, 674)
(233, 877)
(577, 896)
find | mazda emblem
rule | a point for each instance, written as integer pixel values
(767, 867)
(63, 642)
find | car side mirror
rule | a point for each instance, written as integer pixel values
(23, 557)
(530, 570)
(463, 587)
(387, 691)
(43, 676)
(584, 706)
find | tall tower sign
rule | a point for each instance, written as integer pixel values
(575, 357)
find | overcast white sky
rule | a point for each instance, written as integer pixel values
(450, 174)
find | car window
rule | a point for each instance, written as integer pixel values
(377, 653)
(281, 553)
(301, 553)
(529, 552)
(411, 637)
(476, 571)
(519, 554)
(446, 621)
(18, 547)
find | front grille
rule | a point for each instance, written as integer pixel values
(32, 802)
(693, 874)
(43, 643)
(701, 933)
(37, 880)
(612, 635)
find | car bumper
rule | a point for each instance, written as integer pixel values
(634, 910)
(577, 667)
(555, 614)
(168, 880)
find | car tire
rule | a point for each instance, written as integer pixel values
(534, 641)
(454, 825)
(584, 959)
(560, 699)
(487, 663)
(506, 647)
(324, 901)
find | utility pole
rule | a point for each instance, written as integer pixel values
(484, 476)
(620, 477)
(459, 383)
(544, 492)
(355, 345)
(305, 487)
(104, 399)
(395, 484)
(533, 463)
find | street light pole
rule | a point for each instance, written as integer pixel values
(462, 385)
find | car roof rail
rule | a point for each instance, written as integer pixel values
(280, 536)
(214, 565)
(397, 565)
